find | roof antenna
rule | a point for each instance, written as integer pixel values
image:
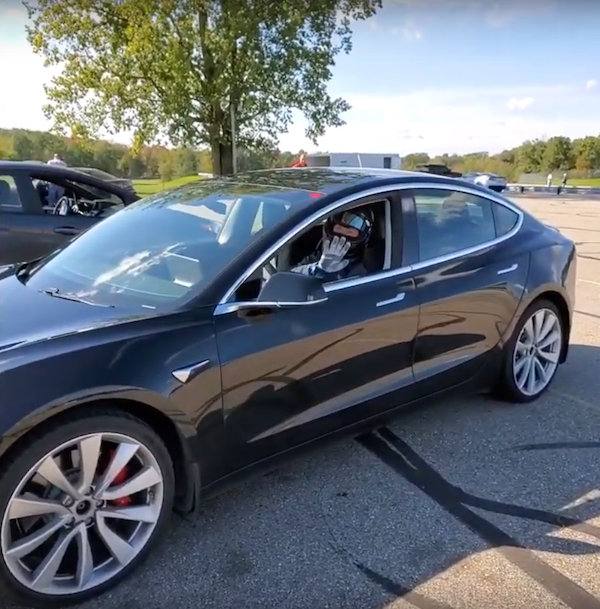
(359, 160)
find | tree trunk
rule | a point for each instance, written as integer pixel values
(222, 159)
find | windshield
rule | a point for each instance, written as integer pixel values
(155, 252)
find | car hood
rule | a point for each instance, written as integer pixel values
(28, 316)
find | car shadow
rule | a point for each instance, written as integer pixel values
(313, 522)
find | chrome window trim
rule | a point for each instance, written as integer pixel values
(371, 192)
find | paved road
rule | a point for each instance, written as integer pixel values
(464, 505)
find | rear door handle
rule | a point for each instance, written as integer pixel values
(67, 230)
(509, 269)
(389, 301)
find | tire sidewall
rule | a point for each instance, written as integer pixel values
(16, 469)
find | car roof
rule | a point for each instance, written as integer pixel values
(330, 180)
(45, 170)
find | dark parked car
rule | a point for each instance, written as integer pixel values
(171, 349)
(30, 226)
(439, 170)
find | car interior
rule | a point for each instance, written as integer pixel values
(377, 255)
(9, 197)
(82, 199)
(452, 223)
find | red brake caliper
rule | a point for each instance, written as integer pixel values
(120, 479)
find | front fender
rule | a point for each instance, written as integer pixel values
(14, 430)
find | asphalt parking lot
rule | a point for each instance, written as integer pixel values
(466, 504)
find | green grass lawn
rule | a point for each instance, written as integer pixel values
(150, 187)
(595, 182)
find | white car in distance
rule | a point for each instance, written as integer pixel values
(493, 182)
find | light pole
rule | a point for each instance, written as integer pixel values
(233, 138)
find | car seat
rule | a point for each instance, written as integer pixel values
(5, 193)
(374, 258)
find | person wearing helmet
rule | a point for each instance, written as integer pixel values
(345, 237)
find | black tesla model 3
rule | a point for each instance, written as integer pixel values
(171, 349)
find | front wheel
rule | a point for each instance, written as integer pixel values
(532, 355)
(80, 507)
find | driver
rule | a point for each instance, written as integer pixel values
(345, 237)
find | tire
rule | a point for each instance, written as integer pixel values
(510, 388)
(110, 436)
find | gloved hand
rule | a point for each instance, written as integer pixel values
(332, 257)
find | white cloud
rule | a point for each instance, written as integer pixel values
(515, 103)
(437, 121)
(591, 84)
(411, 34)
(409, 31)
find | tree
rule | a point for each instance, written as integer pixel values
(587, 153)
(173, 69)
(166, 169)
(557, 154)
(530, 155)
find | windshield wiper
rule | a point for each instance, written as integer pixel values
(24, 269)
(67, 296)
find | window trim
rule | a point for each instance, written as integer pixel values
(225, 306)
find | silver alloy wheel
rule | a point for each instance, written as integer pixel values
(537, 352)
(82, 513)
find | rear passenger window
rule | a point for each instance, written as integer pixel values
(9, 196)
(506, 219)
(451, 221)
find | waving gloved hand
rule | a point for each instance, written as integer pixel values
(334, 251)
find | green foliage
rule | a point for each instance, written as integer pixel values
(173, 69)
(150, 162)
(580, 157)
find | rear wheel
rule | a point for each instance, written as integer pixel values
(532, 355)
(81, 506)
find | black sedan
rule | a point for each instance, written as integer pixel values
(32, 224)
(173, 348)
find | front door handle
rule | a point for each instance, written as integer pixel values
(389, 301)
(509, 269)
(67, 230)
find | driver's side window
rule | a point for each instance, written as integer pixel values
(305, 248)
(89, 198)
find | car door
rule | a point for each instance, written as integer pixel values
(29, 230)
(294, 374)
(470, 267)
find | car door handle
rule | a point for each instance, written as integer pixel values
(67, 230)
(509, 269)
(389, 301)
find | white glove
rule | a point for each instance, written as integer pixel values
(332, 257)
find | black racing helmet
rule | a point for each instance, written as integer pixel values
(356, 225)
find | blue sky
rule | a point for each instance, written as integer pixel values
(424, 75)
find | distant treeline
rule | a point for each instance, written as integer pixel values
(579, 157)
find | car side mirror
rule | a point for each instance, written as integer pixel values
(288, 289)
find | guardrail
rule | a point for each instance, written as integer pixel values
(564, 190)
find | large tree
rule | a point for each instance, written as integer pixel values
(174, 69)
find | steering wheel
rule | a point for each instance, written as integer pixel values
(63, 206)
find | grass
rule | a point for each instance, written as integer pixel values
(595, 182)
(145, 188)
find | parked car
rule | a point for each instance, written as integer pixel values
(125, 183)
(30, 227)
(438, 169)
(495, 182)
(182, 358)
